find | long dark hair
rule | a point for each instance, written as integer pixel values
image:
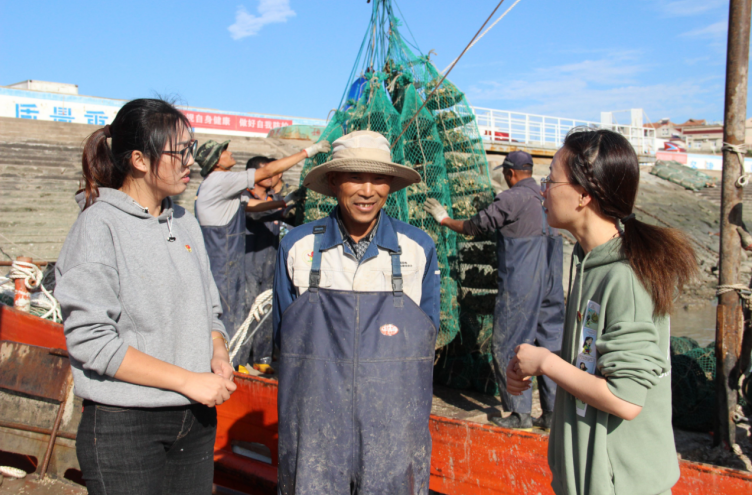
(604, 164)
(144, 125)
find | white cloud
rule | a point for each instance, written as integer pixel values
(582, 90)
(685, 8)
(716, 31)
(270, 11)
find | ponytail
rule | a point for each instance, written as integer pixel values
(145, 125)
(662, 259)
(98, 165)
(605, 164)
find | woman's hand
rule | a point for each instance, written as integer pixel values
(208, 389)
(530, 359)
(222, 367)
(220, 362)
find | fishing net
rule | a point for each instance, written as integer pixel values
(386, 92)
(686, 177)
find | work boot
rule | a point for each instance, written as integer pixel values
(544, 421)
(515, 421)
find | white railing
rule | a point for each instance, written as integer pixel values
(540, 130)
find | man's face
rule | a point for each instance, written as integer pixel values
(360, 195)
(226, 160)
(268, 182)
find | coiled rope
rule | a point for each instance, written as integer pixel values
(740, 150)
(262, 306)
(744, 292)
(32, 277)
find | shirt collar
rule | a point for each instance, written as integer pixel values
(385, 236)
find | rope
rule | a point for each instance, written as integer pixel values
(428, 97)
(739, 150)
(744, 292)
(262, 305)
(32, 277)
(485, 32)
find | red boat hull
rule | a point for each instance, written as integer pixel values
(467, 458)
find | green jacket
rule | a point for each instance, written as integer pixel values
(590, 451)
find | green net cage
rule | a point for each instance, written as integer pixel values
(395, 90)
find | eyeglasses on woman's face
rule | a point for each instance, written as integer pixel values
(545, 181)
(185, 153)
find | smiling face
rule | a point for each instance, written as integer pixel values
(361, 196)
(173, 172)
(560, 198)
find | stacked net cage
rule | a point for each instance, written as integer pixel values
(395, 90)
(693, 372)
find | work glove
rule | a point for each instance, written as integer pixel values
(320, 147)
(746, 238)
(294, 196)
(434, 208)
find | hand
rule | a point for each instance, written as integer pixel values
(208, 389)
(530, 358)
(294, 197)
(320, 147)
(221, 366)
(434, 208)
(516, 382)
(746, 238)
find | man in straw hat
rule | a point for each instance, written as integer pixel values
(221, 204)
(356, 312)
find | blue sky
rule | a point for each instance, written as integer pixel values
(293, 57)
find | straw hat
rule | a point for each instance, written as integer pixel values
(360, 151)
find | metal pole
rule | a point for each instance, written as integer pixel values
(729, 315)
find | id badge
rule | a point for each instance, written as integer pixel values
(587, 356)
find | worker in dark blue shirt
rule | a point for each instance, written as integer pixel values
(530, 303)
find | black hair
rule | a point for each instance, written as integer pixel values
(145, 125)
(257, 161)
(605, 165)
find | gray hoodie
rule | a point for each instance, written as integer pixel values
(126, 278)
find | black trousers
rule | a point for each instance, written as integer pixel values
(147, 451)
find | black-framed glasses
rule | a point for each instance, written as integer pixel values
(189, 150)
(545, 181)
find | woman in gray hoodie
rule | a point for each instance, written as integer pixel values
(141, 312)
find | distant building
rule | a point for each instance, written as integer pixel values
(701, 136)
(664, 129)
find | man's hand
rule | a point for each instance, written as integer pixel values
(434, 208)
(294, 197)
(320, 147)
(220, 362)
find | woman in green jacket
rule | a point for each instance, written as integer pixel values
(611, 431)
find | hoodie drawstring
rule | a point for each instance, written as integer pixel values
(171, 238)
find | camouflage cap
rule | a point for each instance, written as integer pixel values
(208, 155)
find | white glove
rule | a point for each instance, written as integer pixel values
(261, 305)
(294, 197)
(434, 208)
(320, 147)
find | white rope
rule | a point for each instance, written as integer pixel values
(744, 292)
(262, 306)
(740, 150)
(484, 33)
(32, 277)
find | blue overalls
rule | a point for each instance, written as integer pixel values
(529, 308)
(226, 248)
(355, 390)
(261, 245)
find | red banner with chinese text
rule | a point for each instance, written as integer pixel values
(205, 120)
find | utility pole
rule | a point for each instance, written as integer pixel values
(729, 323)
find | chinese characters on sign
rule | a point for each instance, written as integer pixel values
(26, 111)
(206, 120)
